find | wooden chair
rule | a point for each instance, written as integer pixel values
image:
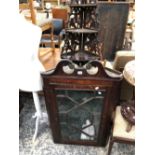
(39, 19)
(49, 39)
(60, 13)
(57, 32)
(119, 132)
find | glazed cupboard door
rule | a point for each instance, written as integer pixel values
(79, 114)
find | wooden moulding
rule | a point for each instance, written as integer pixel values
(103, 72)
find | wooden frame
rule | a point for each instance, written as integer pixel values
(117, 139)
(44, 27)
(54, 80)
(61, 13)
(30, 6)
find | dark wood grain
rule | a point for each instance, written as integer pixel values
(113, 19)
(59, 80)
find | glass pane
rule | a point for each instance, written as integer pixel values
(79, 113)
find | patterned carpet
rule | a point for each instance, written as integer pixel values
(44, 144)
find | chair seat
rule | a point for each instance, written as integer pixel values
(120, 125)
(58, 25)
(58, 33)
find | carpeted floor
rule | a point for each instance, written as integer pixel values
(44, 144)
